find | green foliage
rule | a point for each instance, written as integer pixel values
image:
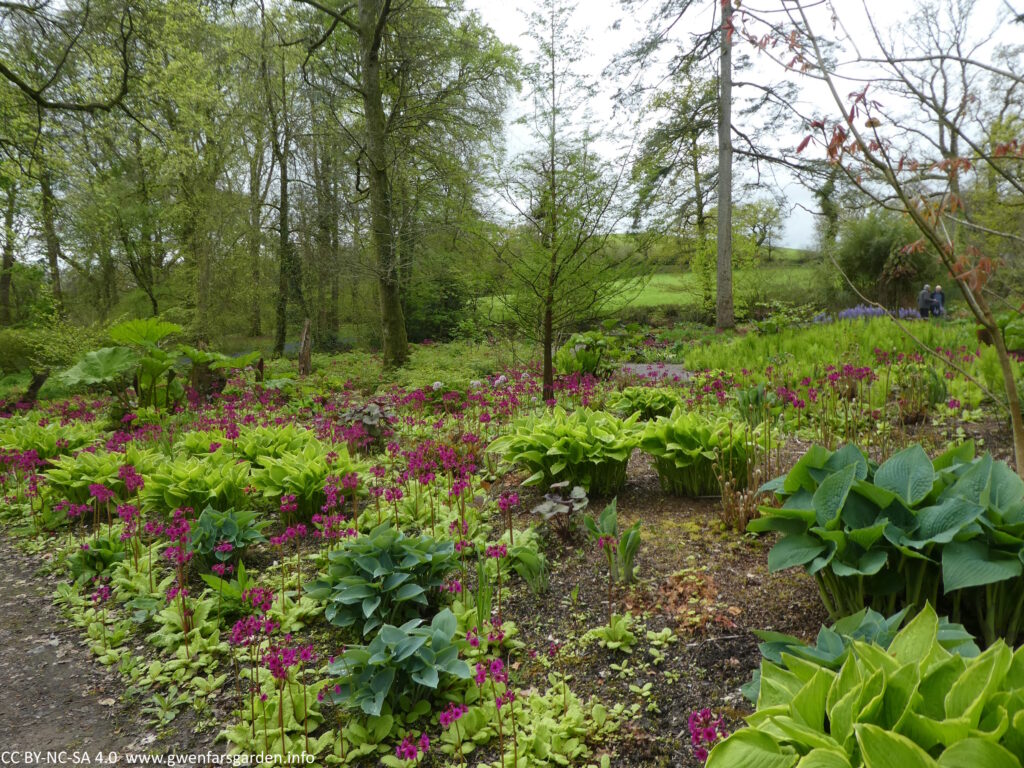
(256, 444)
(621, 557)
(686, 447)
(405, 661)
(582, 353)
(50, 441)
(833, 644)
(95, 558)
(912, 704)
(895, 534)
(872, 254)
(303, 474)
(229, 591)
(650, 402)
(69, 477)
(215, 480)
(108, 366)
(239, 528)
(383, 577)
(147, 332)
(586, 448)
(617, 636)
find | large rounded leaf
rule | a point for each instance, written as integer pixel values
(100, 366)
(909, 474)
(794, 550)
(974, 564)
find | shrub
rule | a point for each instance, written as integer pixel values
(871, 252)
(586, 448)
(913, 704)
(383, 577)
(909, 531)
(401, 663)
(650, 402)
(687, 446)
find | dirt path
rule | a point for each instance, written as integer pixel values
(54, 696)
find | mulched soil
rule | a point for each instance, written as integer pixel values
(709, 584)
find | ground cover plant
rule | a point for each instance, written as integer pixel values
(459, 571)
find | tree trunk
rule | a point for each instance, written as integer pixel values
(7, 265)
(549, 340)
(254, 238)
(372, 17)
(284, 274)
(724, 316)
(305, 349)
(50, 236)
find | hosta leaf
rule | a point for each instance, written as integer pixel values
(831, 495)
(883, 749)
(909, 474)
(750, 749)
(940, 523)
(977, 753)
(973, 564)
(823, 758)
(794, 550)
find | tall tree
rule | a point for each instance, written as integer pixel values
(559, 267)
(724, 315)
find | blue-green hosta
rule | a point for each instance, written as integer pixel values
(401, 663)
(586, 448)
(687, 446)
(948, 531)
(383, 577)
(914, 705)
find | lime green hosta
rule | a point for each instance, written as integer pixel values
(687, 446)
(587, 448)
(914, 705)
(196, 483)
(303, 474)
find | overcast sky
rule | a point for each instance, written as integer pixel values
(611, 30)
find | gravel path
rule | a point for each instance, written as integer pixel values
(55, 697)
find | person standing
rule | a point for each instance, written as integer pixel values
(938, 302)
(924, 302)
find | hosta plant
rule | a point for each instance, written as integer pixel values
(383, 577)
(913, 705)
(650, 402)
(48, 441)
(401, 663)
(909, 531)
(586, 448)
(260, 443)
(303, 474)
(69, 477)
(833, 644)
(582, 353)
(223, 536)
(192, 482)
(687, 446)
